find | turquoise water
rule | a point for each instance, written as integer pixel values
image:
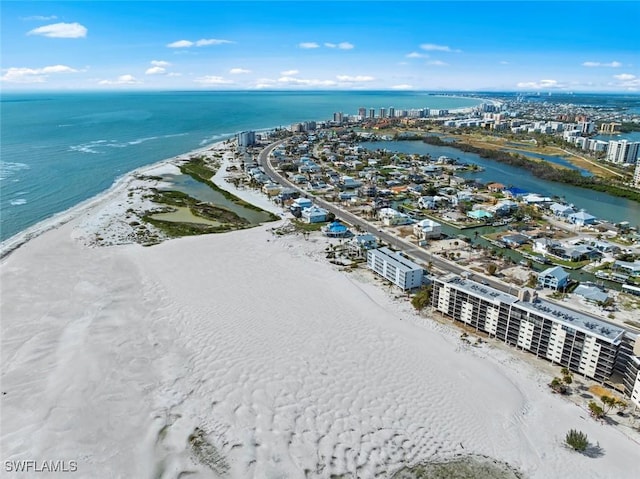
(60, 149)
(599, 204)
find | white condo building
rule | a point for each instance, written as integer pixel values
(396, 268)
(623, 151)
(636, 176)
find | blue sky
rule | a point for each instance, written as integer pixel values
(365, 45)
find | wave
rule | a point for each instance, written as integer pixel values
(9, 168)
(17, 202)
(93, 146)
(215, 138)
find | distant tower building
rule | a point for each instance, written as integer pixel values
(636, 176)
(622, 151)
(246, 138)
(337, 117)
(609, 128)
(362, 113)
(372, 113)
(392, 112)
(383, 112)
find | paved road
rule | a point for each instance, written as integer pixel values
(416, 253)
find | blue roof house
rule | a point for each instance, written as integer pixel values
(581, 218)
(336, 229)
(555, 278)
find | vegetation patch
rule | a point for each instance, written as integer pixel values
(206, 453)
(470, 467)
(228, 220)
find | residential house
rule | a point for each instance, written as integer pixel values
(554, 277)
(391, 217)
(336, 229)
(361, 243)
(480, 215)
(591, 293)
(561, 211)
(314, 214)
(515, 240)
(581, 218)
(426, 229)
(626, 267)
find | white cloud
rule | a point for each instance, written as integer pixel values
(305, 82)
(340, 46)
(402, 86)
(155, 71)
(239, 71)
(180, 44)
(628, 81)
(60, 30)
(121, 80)
(504, 62)
(288, 73)
(203, 42)
(432, 47)
(40, 18)
(174, 74)
(212, 80)
(437, 63)
(357, 78)
(158, 68)
(600, 64)
(308, 45)
(211, 41)
(417, 55)
(34, 75)
(539, 85)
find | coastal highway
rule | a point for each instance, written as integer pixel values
(411, 250)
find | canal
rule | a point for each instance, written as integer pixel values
(601, 205)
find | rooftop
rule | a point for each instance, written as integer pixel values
(574, 319)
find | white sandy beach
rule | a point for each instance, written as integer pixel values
(114, 356)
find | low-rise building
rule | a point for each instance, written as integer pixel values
(391, 265)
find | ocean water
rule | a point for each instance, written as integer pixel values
(59, 149)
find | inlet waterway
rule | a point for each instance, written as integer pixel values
(202, 192)
(602, 205)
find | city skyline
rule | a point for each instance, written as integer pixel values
(316, 45)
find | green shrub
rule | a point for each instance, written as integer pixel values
(577, 440)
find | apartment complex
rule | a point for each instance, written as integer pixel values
(582, 343)
(623, 151)
(396, 268)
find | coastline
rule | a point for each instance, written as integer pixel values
(58, 219)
